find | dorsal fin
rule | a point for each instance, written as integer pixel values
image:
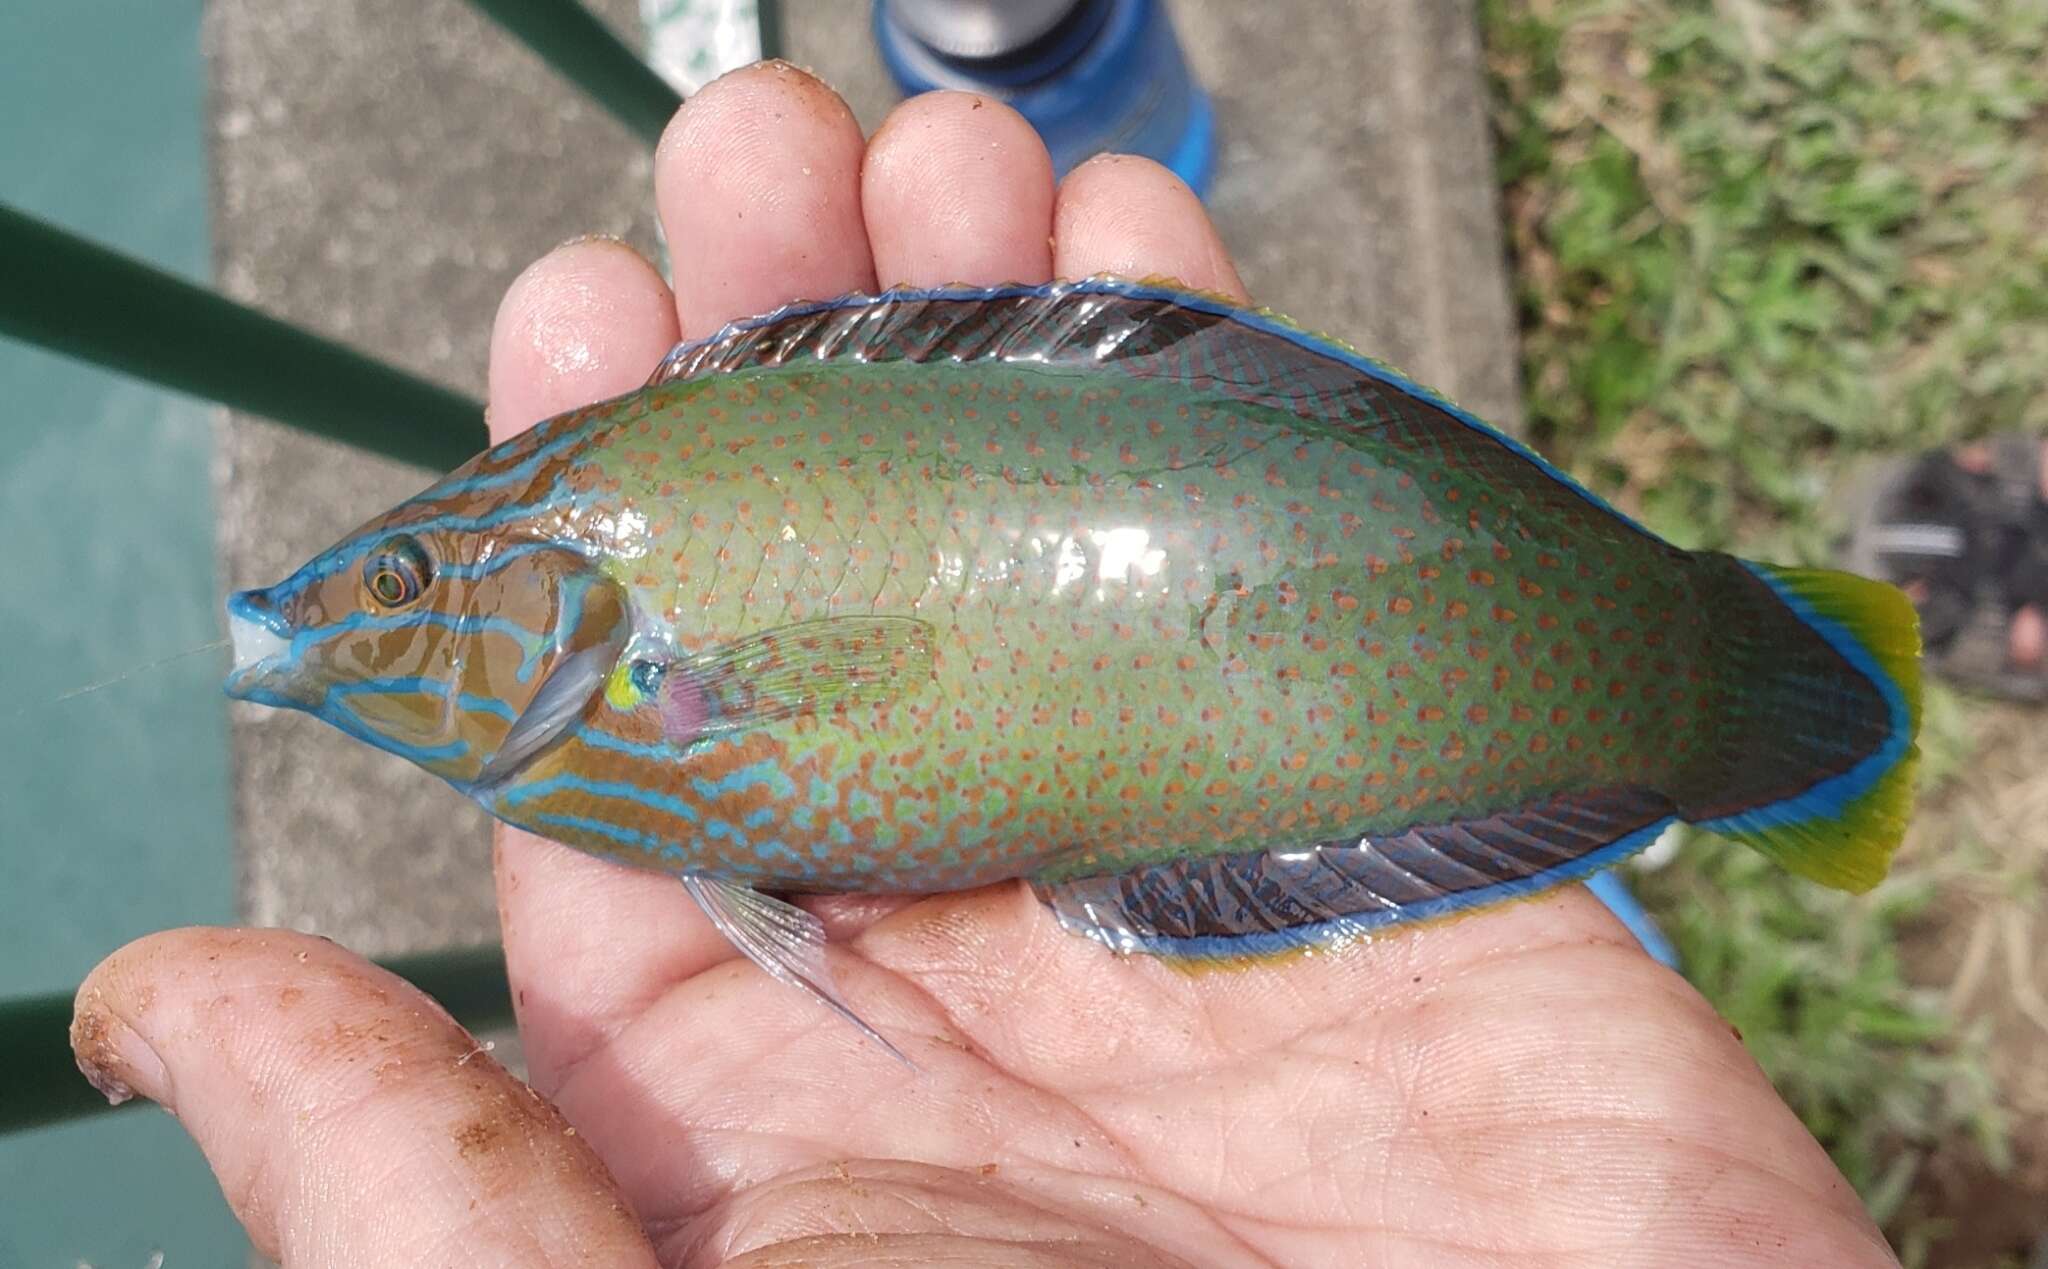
(1099, 321)
(1155, 333)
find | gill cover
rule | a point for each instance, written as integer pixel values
(462, 654)
(581, 621)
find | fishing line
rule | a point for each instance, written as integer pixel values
(144, 668)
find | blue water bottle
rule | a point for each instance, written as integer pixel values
(1090, 75)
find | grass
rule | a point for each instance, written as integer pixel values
(1754, 242)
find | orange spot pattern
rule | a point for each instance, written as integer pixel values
(1163, 621)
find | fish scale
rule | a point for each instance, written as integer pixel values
(1332, 685)
(1228, 638)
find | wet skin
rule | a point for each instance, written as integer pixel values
(1516, 1087)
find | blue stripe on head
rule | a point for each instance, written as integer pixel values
(349, 552)
(336, 714)
(485, 482)
(244, 605)
(335, 710)
(530, 643)
(497, 559)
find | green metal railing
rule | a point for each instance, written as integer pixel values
(584, 51)
(76, 298)
(79, 299)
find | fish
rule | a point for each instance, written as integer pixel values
(1231, 641)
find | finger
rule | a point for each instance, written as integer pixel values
(958, 188)
(587, 321)
(1130, 216)
(2028, 638)
(758, 183)
(846, 915)
(349, 1119)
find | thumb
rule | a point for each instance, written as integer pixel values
(349, 1119)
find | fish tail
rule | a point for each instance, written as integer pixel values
(1826, 683)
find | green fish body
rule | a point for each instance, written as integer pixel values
(1230, 639)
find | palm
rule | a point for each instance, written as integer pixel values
(1521, 1086)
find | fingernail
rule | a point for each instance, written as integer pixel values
(593, 240)
(778, 66)
(783, 66)
(115, 1060)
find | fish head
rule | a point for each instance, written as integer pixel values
(466, 652)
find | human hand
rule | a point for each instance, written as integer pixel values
(1522, 1086)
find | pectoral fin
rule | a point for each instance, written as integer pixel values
(553, 710)
(812, 666)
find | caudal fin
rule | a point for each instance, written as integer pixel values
(1835, 728)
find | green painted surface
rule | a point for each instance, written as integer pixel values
(113, 809)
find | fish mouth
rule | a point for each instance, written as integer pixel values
(262, 641)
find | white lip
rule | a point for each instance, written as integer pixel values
(254, 642)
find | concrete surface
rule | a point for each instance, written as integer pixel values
(384, 168)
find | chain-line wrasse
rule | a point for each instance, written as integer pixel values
(1229, 639)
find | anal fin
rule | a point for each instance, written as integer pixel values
(782, 939)
(1268, 902)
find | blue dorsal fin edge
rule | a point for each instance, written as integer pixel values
(684, 361)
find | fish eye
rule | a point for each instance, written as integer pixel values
(398, 572)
